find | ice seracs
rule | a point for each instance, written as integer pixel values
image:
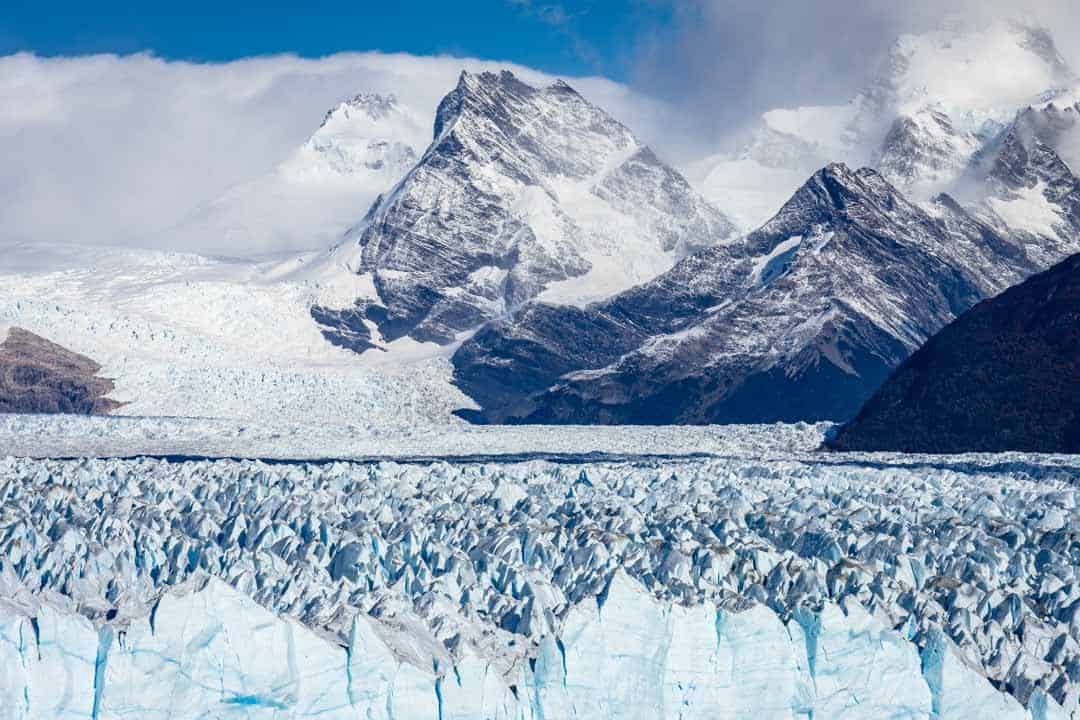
(694, 588)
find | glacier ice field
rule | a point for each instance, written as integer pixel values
(733, 585)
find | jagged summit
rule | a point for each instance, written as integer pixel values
(363, 145)
(1025, 182)
(523, 191)
(368, 132)
(374, 105)
(837, 188)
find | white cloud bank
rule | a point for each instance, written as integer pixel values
(118, 150)
(727, 61)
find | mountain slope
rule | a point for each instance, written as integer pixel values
(523, 191)
(37, 376)
(364, 145)
(801, 320)
(1003, 376)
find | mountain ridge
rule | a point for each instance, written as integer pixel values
(523, 191)
(1004, 376)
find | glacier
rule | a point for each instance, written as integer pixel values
(211, 651)
(746, 583)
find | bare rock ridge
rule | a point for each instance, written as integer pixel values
(1004, 376)
(521, 190)
(38, 376)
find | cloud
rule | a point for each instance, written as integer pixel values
(727, 61)
(117, 150)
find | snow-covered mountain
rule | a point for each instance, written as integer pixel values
(523, 192)
(364, 145)
(806, 316)
(937, 100)
(800, 320)
(1024, 184)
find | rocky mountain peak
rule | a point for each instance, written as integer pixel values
(836, 195)
(373, 106)
(524, 190)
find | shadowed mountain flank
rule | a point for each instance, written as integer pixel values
(1003, 376)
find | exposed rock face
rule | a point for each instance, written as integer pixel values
(522, 188)
(1030, 190)
(37, 376)
(801, 320)
(1003, 376)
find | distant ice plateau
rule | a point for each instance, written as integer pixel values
(759, 581)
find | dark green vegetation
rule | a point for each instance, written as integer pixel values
(1003, 376)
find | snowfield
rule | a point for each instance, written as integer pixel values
(763, 579)
(196, 336)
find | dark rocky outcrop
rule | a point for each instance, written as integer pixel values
(1003, 376)
(38, 376)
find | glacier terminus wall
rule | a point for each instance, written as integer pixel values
(213, 652)
(766, 587)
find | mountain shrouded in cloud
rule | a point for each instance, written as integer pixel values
(108, 150)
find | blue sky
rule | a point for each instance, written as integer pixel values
(572, 38)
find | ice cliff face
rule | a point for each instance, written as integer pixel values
(213, 652)
(791, 589)
(523, 191)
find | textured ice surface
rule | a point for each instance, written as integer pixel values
(187, 335)
(213, 652)
(813, 586)
(118, 436)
